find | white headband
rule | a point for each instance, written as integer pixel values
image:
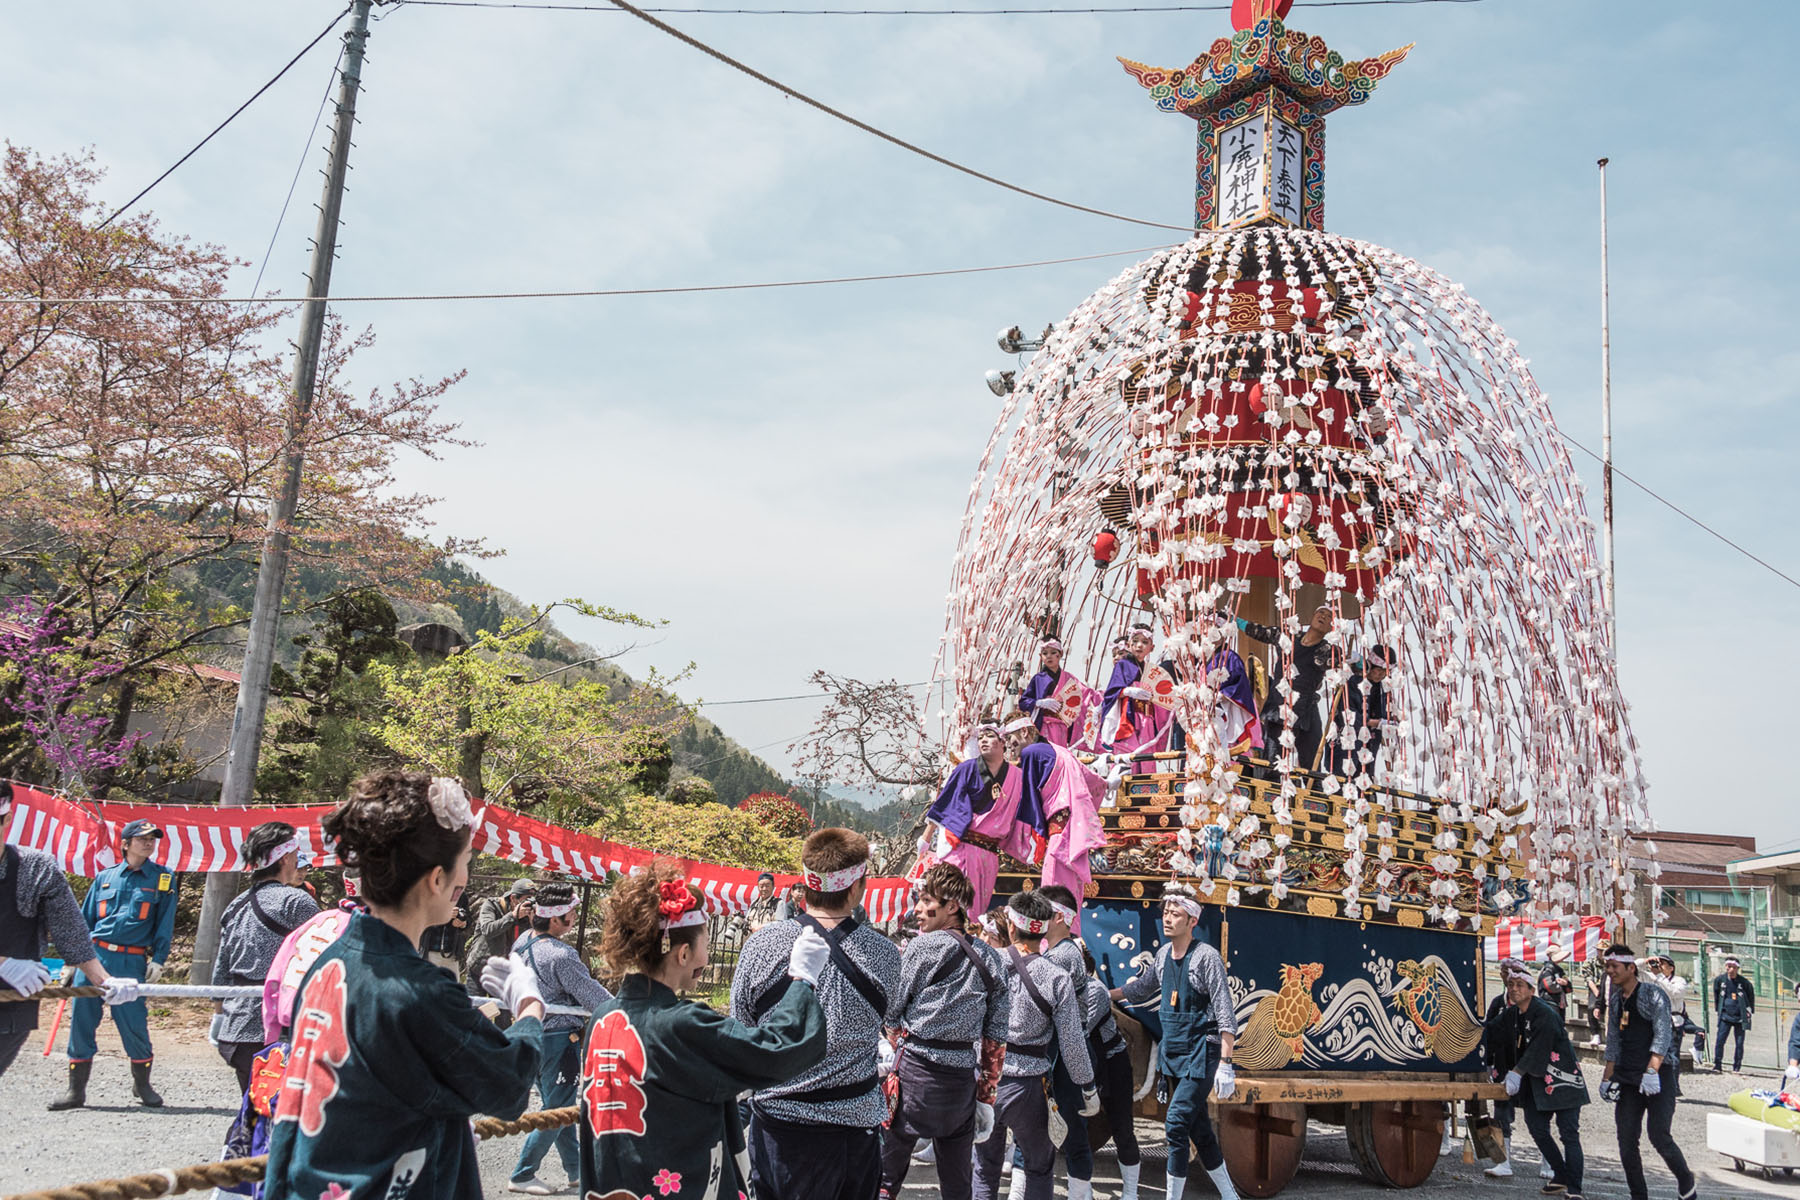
(834, 881)
(1067, 914)
(989, 921)
(1733, 962)
(986, 727)
(1021, 723)
(1187, 904)
(1024, 923)
(693, 916)
(560, 910)
(276, 854)
(1613, 957)
(1050, 644)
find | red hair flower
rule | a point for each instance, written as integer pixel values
(677, 899)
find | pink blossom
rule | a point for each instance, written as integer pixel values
(336, 1191)
(667, 1181)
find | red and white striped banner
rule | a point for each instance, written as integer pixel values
(1532, 941)
(83, 837)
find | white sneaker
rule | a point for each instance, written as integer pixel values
(1500, 1170)
(531, 1187)
(1544, 1171)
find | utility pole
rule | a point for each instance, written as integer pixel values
(1606, 470)
(271, 572)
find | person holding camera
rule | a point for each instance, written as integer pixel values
(499, 922)
(444, 945)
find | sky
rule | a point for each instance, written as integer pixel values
(780, 474)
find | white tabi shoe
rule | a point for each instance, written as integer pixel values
(1081, 1189)
(1544, 1171)
(1017, 1190)
(1503, 1168)
(1221, 1178)
(1177, 1184)
(1448, 1145)
(1130, 1177)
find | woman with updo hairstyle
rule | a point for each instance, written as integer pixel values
(660, 1076)
(389, 1058)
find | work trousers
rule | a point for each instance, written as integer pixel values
(559, 1075)
(1112, 1075)
(794, 1161)
(1736, 1030)
(1188, 1119)
(1503, 1116)
(10, 1045)
(133, 1020)
(1629, 1119)
(1021, 1107)
(936, 1102)
(1568, 1162)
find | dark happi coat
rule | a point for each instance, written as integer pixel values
(660, 1078)
(389, 1063)
(1547, 1058)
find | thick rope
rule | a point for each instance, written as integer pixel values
(167, 1182)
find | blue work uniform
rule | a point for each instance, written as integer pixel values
(132, 916)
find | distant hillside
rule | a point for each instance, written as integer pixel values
(474, 605)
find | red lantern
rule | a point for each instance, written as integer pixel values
(1106, 548)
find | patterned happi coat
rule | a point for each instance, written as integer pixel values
(660, 1078)
(389, 1062)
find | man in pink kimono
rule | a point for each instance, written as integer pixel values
(1043, 809)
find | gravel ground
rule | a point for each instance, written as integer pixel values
(115, 1136)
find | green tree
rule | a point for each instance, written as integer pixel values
(567, 747)
(706, 832)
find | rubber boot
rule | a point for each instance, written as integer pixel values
(1221, 1178)
(1130, 1177)
(1503, 1168)
(76, 1096)
(140, 1085)
(1176, 1185)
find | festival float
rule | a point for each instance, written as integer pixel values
(1240, 430)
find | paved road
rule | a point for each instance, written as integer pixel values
(114, 1136)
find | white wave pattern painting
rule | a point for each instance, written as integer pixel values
(1359, 1024)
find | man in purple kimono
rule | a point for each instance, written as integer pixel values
(1053, 697)
(989, 805)
(1129, 721)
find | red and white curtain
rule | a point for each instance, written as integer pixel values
(83, 837)
(1532, 941)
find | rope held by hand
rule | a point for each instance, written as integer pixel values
(167, 1182)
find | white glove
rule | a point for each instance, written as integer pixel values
(810, 953)
(26, 976)
(984, 1121)
(1225, 1082)
(1513, 1082)
(1651, 1084)
(212, 1029)
(1053, 707)
(1138, 693)
(1090, 1101)
(119, 989)
(511, 981)
(1793, 1070)
(884, 1057)
(153, 971)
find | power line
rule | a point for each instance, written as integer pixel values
(1681, 512)
(795, 94)
(298, 168)
(902, 12)
(566, 295)
(228, 120)
(773, 699)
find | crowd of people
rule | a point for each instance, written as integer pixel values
(982, 1044)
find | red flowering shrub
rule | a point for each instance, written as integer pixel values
(777, 813)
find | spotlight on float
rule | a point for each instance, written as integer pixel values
(1013, 342)
(1000, 382)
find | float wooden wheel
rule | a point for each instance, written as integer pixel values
(1395, 1142)
(1263, 1144)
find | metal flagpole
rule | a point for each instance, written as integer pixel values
(1606, 467)
(271, 572)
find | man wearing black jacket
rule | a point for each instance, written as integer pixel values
(1734, 1000)
(1546, 1080)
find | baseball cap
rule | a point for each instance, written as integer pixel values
(140, 828)
(522, 887)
